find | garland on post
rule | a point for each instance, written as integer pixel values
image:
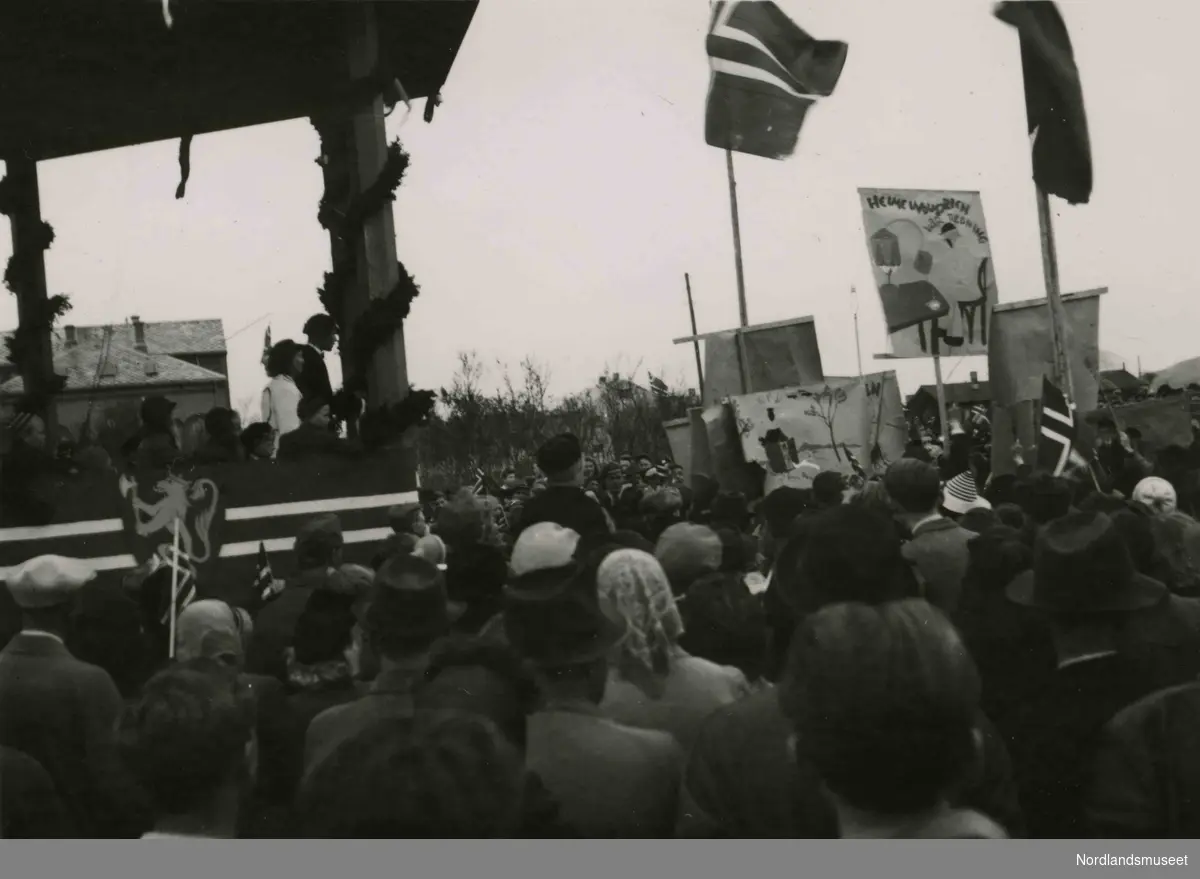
(382, 318)
(19, 279)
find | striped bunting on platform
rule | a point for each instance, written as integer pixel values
(103, 540)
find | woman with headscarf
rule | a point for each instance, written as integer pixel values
(281, 397)
(653, 682)
(212, 630)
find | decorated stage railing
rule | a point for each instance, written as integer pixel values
(118, 521)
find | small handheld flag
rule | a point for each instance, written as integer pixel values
(266, 346)
(266, 587)
(1057, 449)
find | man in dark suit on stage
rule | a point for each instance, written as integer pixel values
(314, 376)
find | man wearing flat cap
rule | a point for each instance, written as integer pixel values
(564, 501)
(60, 711)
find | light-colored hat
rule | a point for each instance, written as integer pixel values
(1156, 493)
(543, 546)
(47, 580)
(960, 494)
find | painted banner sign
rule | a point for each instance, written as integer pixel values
(851, 425)
(932, 261)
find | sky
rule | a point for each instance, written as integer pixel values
(563, 189)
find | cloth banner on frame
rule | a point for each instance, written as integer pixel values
(932, 262)
(850, 425)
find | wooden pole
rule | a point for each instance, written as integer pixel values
(943, 414)
(375, 249)
(26, 221)
(1058, 323)
(857, 340)
(174, 582)
(737, 241)
(687, 281)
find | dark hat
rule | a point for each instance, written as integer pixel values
(155, 408)
(559, 453)
(911, 482)
(828, 484)
(325, 627)
(413, 590)
(319, 323)
(1081, 565)
(553, 617)
(318, 539)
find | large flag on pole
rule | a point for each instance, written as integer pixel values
(766, 73)
(1062, 152)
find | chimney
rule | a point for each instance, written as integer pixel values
(151, 366)
(69, 331)
(139, 333)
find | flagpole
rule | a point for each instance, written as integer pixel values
(737, 241)
(943, 413)
(857, 340)
(1062, 364)
(687, 281)
(174, 582)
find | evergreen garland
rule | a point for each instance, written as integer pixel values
(382, 318)
(18, 278)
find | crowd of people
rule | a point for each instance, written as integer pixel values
(606, 651)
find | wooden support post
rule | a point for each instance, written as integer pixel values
(943, 409)
(31, 300)
(375, 254)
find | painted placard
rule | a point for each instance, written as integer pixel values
(855, 426)
(932, 261)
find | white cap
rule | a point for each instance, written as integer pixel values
(543, 546)
(47, 580)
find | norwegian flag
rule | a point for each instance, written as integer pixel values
(480, 481)
(1057, 445)
(766, 74)
(266, 587)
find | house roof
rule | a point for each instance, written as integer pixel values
(1122, 379)
(177, 337)
(82, 367)
(960, 392)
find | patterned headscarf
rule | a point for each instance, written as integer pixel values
(211, 629)
(633, 584)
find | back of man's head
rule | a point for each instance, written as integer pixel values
(914, 486)
(1045, 498)
(847, 553)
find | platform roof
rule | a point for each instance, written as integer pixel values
(76, 77)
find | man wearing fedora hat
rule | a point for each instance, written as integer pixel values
(610, 780)
(60, 711)
(1117, 635)
(407, 612)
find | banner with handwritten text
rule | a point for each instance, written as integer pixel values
(932, 261)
